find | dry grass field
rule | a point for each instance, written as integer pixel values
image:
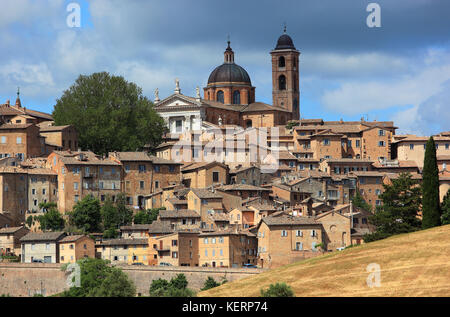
(415, 264)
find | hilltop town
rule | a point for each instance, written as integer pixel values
(235, 182)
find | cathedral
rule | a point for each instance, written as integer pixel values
(229, 96)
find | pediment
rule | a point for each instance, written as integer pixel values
(177, 101)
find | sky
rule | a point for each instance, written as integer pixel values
(399, 71)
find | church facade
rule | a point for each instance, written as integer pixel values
(229, 96)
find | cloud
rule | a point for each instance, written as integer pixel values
(429, 117)
(410, 89)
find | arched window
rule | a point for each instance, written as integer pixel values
(220, 97)
(282, 82)
(281, 62)
(236, 97)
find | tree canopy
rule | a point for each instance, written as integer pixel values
(431, 213)
(145, 217)
(97, 279)
(446, 209)
(398, 214)
(109, 114)
(86, 214)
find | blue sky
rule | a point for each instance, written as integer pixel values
(398, 72)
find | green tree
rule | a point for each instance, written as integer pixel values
(29, 221)
(278, 290)
(398, 214)
(445, 207)
(109, 114)
(159, 287)
(145, 217)
(125, 214)
(110, 233)
(179, 281)
(51, 221)
(359, 202)
(431, 211)
(98, 279)
(210, 283)
(86, 214)
(177, 287)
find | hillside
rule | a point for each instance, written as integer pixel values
(414, 264)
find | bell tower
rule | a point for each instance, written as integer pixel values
(285, 76)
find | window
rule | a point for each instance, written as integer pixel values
(174, 243)
(355, 220)
(282, 82)
(299, 246)
(156, 184)
(284, 233)
(178, 126)
(349, 143)
(142, 168)
(220, 96)
(19, 140)
(215, 177)
(157, 168)
(364, 221)
(326, 141)
(174, 255)
(141, 184)
(447, 146)
(3, 139)
(281, 62)
(313, 233)
(77, 198)
(127, 168)
(171, 168)
(75, 186)
(381, 143)
(411, 146)
(357, 143)
(299, 233)
(205, 240)
(236, 97)
(381, 132)
(101, 185)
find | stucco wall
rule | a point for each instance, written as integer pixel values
(23, 279)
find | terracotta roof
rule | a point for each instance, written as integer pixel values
(44, 236)
(203, 193)
(89, 158)
(183, 213)
(194, 166)
(10, 230)
(53, 128)
(220, 217)
(113, 242)
(282, 219)
(348, 160)
(160, 227)
(131, 156)
(260, 106)
(72, 238)
(242, 187)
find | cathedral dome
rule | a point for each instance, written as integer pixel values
(285, 42)
(229, 72)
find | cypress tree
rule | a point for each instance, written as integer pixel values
(431, 211)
